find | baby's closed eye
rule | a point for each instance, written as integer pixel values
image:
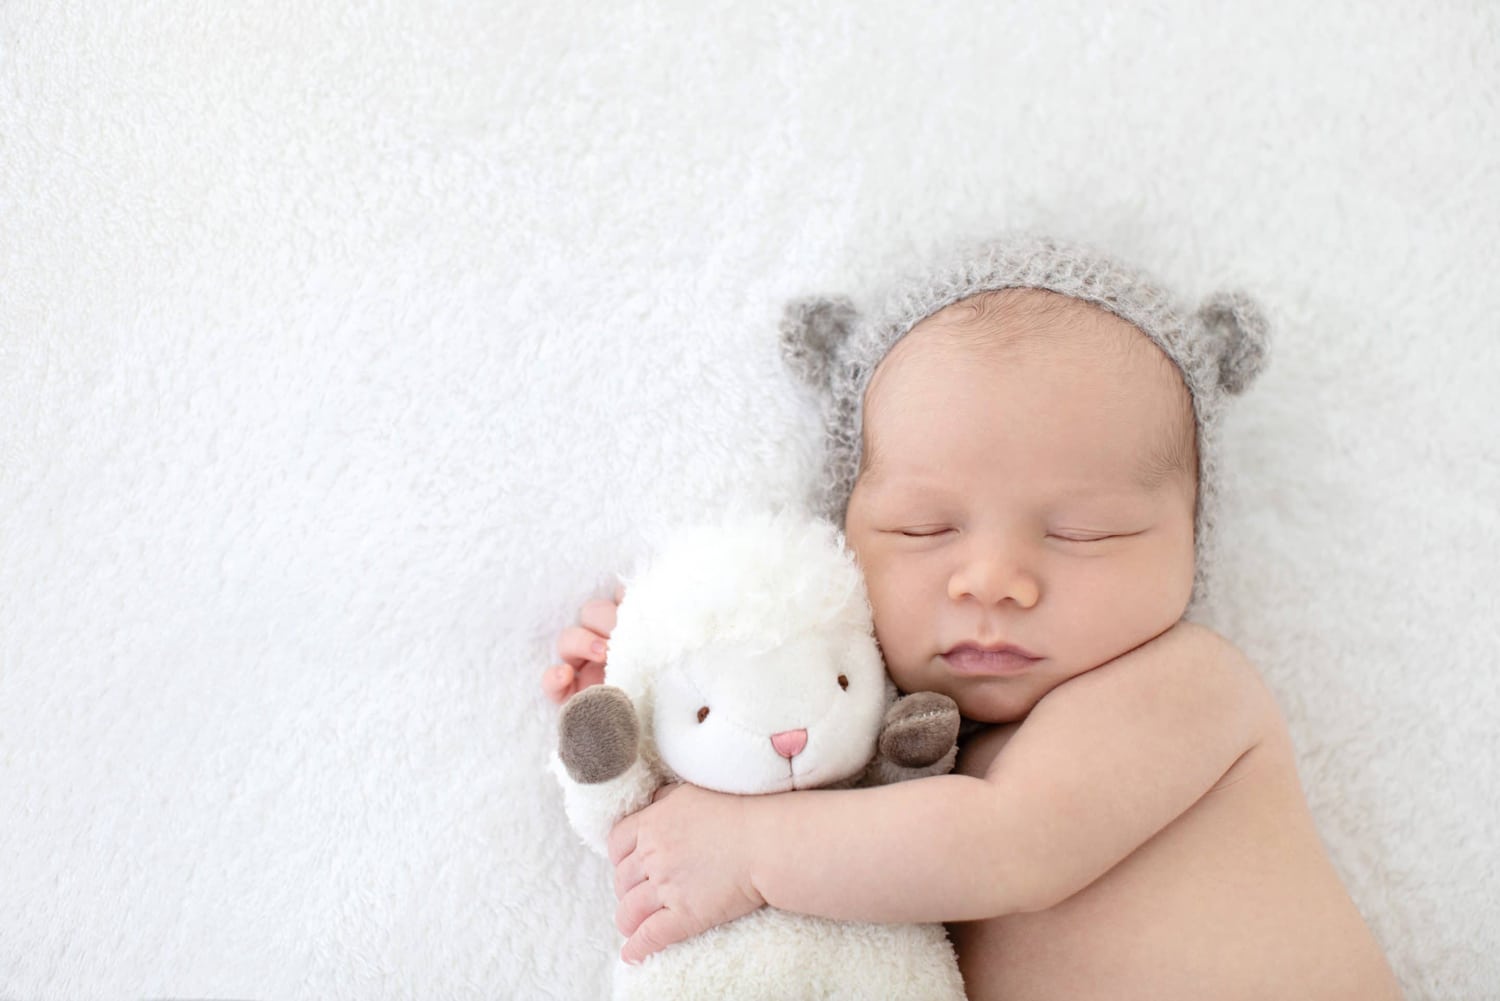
(1081, 536)
(923, 532)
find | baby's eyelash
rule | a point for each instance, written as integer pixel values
(1089, 537)
(921, 535)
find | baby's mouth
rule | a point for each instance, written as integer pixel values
(993, 661)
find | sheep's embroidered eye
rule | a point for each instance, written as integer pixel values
(844, 682)
(702, 714)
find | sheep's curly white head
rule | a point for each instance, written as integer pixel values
(748, 650)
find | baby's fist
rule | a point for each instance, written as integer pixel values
(583, 649)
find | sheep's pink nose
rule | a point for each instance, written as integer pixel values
(789, 743)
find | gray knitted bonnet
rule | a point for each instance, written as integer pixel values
(1220, 348)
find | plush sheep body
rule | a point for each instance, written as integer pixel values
(744, 660)
(772, 955)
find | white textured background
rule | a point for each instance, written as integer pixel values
(346, 348)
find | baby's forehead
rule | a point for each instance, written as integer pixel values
(1027, 324)
(1105, 379)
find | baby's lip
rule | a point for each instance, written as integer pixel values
(1007, 648)
(989, 660)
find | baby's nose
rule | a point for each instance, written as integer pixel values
(789, 743)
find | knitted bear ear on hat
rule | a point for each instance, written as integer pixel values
(1239, 333)
(812, 330)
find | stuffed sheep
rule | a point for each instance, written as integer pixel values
(744, 660)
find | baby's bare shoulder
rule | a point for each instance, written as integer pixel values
(1212, 661)
(1188, 671)
(1194, 653)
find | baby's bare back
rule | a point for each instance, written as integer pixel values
(1234, 899)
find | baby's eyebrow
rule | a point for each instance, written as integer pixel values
(916, 490)
(875, 473)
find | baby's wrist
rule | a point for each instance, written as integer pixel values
(755, 819)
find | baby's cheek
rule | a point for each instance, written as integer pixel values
(881, 585)
(908, 676)
(902, 614)
(907, 647)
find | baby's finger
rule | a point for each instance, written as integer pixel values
(621, 839)
(635, 907)
(660, 929)
(628, 875)
(600, 616)
(589, 674)
(578, 646)
(557, 682)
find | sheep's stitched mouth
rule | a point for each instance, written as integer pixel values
(799, 780)
(813, 778)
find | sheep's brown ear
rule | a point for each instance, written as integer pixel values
(1240, 333)
(811, 332)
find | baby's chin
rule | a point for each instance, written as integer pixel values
(989, 700)
(983, 711)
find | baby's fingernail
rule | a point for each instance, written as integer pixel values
(598, 646)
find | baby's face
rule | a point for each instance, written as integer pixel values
(1013, 522)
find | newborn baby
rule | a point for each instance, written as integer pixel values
(1022, 453)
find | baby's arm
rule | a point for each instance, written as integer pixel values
(1103, 763)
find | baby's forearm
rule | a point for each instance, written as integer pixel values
(915, 851)
(1099, 767)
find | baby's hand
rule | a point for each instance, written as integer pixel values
(681, 868)
(583, 650)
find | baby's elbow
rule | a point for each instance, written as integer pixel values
(1014, 887)
(1041, 878)
(1035, 895)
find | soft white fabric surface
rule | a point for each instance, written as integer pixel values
(345, 349)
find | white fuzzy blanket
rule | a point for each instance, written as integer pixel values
(346, 348)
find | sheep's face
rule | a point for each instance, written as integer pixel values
(802, 715)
